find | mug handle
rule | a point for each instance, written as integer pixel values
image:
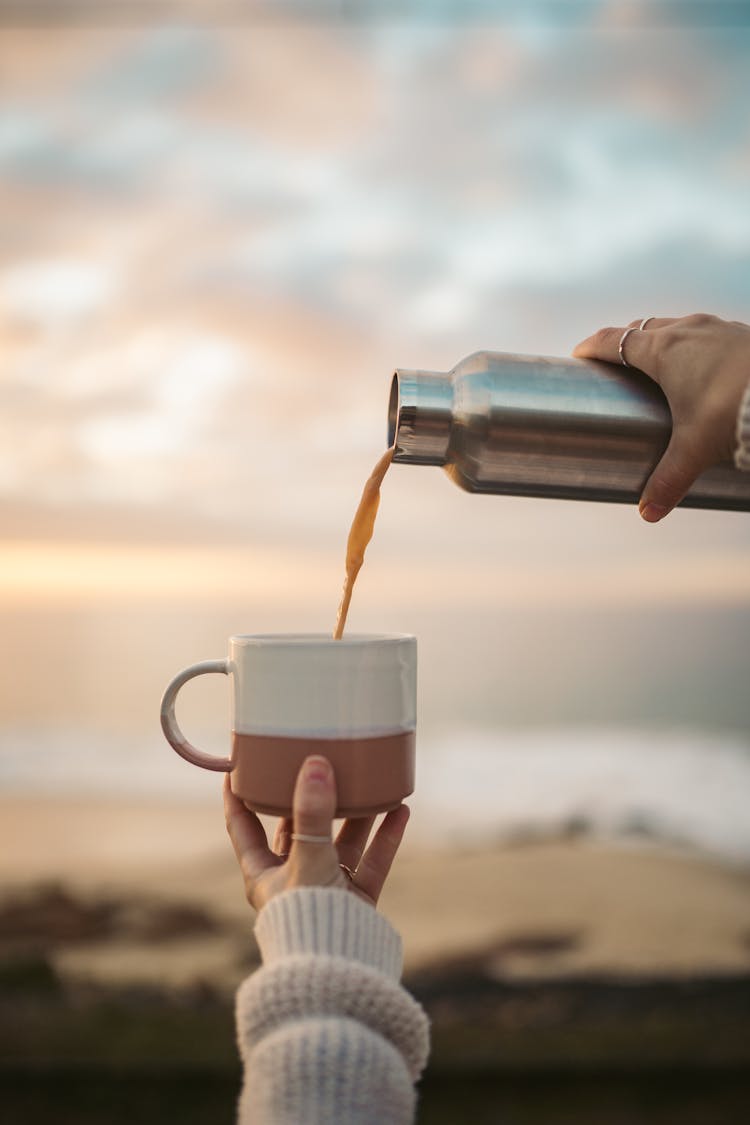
(170, 726)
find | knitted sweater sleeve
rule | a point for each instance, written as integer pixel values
(742, 449)
(326, 1032)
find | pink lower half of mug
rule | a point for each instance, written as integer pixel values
(373, 774)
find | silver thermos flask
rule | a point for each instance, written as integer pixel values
(537, 426)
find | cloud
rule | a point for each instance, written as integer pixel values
(237, 235)
(57, 291)
(162, 63)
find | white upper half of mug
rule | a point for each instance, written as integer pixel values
(308, 684)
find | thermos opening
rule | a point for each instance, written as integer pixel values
(419, 416)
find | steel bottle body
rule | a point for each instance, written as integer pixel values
(539, 426)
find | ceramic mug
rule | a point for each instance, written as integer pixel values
(351, 700)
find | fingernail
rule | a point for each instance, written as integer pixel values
(652, 513)
(317, 769)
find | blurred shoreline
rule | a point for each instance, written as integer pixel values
(536, 909)
(598, 975)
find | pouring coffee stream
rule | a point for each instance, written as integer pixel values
(360, 535)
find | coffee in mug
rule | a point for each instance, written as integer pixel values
(352, 700)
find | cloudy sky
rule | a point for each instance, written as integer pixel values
(218, 240)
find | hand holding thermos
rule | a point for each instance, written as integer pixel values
(702, 364)
(583, 429)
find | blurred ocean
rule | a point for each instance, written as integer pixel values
(587, 720)
(474, 785)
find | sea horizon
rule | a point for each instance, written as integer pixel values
(476, 786)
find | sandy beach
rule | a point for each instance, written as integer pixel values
(540, 909)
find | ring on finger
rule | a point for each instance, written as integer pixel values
(348, 872)
(306, 838)
(644, 322)
(621, 346)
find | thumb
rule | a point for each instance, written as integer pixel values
(669, 481)
(313, 808)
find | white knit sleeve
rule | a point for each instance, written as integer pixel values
(326, 1032)
(742, 449)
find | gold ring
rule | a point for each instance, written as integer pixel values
(348, 872)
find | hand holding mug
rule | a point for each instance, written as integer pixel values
(304, 852)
